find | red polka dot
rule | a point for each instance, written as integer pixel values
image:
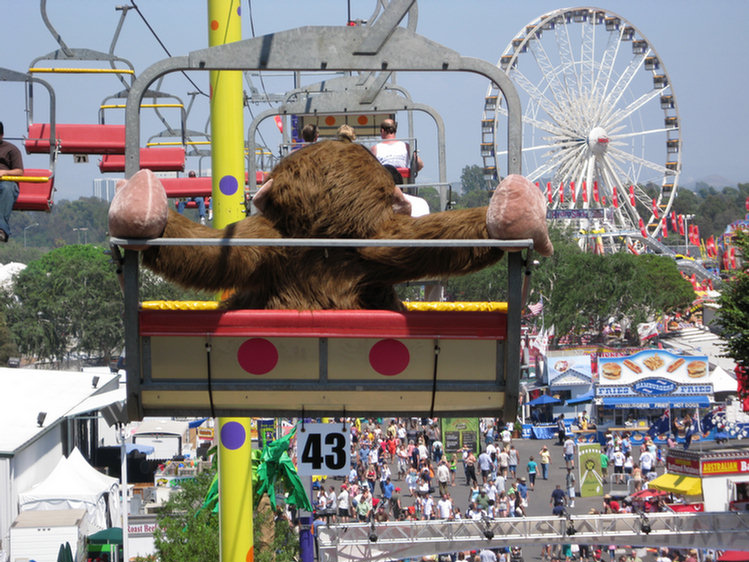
(330, 120)
(214, 25)
(389, 357)
(257, 356)
(363, 119)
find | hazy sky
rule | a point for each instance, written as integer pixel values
(703, 45)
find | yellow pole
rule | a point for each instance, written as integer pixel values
(227, 159)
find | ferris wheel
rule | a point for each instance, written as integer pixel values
(601, 129)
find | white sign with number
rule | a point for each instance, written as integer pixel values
(324, 449)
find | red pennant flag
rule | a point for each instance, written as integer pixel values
(572, 192)
(585, 193)
(746, 203)
(681, 226)
(596, 197)
(732, 257)
(603, 200)
(696, 234)
(548, 191)
(561, 192)
(655, 209)
(710, 247)
(665, 227)
(632, 195)
(673, 221)
(279, 122)
(642, 228)
(614, 198)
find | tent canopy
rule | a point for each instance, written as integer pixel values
(75, 484)
(677, 484)
(543, 400)
(113, 535)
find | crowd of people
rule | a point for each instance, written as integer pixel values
(402, 472)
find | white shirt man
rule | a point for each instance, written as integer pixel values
(445, 507)
(392, 151)
(646, 462)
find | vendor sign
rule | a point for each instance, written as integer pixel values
(654, 373)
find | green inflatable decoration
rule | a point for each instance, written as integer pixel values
(269, 466)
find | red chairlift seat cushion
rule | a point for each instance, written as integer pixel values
(77, 138)
(35, 196)
(169, 159)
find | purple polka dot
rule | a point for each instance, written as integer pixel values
(239, 10)
(228, 185)
(233, 435)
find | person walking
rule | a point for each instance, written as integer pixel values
(545, 456)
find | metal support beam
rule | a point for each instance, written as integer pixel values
(399, 540)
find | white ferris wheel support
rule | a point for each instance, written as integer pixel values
(601, 129)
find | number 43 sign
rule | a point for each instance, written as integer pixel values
(324, 449)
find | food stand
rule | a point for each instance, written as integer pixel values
(719, 476)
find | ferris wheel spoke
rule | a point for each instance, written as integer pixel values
(639, 103)
(621, 85)
(558, 89)
(554, 111)
(662, 170)
(587, 47)
(545, 126)
(564, 44)
(606, 67)
(635, 134)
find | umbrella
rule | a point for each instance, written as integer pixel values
(113, 535)
(543, 400)
(65, 554)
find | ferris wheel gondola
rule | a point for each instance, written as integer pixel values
(601, 129)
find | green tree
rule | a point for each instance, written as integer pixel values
(475, 192)
(734, 309)
(184, 534)
(68, 300)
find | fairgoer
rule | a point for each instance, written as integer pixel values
(392, 151)
(11, 164)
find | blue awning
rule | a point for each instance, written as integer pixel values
(655, 401)
(582, 398)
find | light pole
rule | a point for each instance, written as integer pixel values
(686, 234)
(25, 228)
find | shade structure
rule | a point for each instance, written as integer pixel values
(678, 484)
(113, 535)
(585, 397)
(543, 400)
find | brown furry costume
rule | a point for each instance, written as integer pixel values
(331, 189)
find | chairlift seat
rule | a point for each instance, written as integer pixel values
(75, 138)
(35, 194)
(165, 159)
(197, 187)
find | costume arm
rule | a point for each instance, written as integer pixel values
(402, 264)
(216, 267)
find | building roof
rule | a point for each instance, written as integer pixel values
(24, 393)
(700, 341)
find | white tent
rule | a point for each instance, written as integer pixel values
(73, 485)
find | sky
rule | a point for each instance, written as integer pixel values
(703, 46)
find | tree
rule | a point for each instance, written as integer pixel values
(734, 309)
(475, 192)
(68, 300)
(185, 533)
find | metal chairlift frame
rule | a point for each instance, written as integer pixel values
(384, 46)
(353, 99)
(7, 75)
